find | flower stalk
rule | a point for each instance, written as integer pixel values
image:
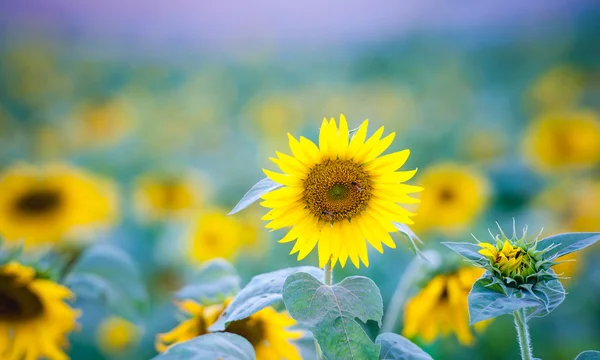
(328, 280)
(523, 334)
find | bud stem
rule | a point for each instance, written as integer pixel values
(328, 280)
(523, 334)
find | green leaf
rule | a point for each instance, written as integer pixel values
(222, 346)
(566, 243)
(215, 281)
(588, 355)
(396, 347)
(549, 295)
(488, 300)
(263, 290)
(109, 275)
(259, 189)
(467, 250)
(331, 313)
(411, 236)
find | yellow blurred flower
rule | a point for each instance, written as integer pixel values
(441, 308)
(116, 335)
(573, 205)
(100, 124)
(215, 235)
(267, 330)
(563, 141)
(454, 196)
(34, 316)
(164, 197)
(557, 89)
(274, 114)
(50, 203)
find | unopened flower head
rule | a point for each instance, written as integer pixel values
(516, 260)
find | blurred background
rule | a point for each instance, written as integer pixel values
(177, 106)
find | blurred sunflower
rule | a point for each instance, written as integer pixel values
(441, 308)
(272, 114)
(575, 205)
(215, 235)
(267, 330)
(116, 335)
(101, 124)
(563, 141)
(34, 317)
(339, 195)
(167, 197)
(455, 195)
(47, 204)
(557, 89)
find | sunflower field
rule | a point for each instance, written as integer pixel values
(269, 181)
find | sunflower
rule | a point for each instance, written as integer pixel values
(339, 195)
(215, 235)
(563, 141)
(441, 307)
(455, 195)
(267, 330)
(558, 88)
(34, 317)
(165, 197)
(116, 335)
(49, 203)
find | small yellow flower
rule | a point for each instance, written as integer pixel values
(563, 141)
(101, 124)
(215, 235)
(267, 330)
(116, 335)
(455, 195)
(441, 308)
(34, 316)
(48, 204)
(168, 197)
(340, 195)
(557, 89)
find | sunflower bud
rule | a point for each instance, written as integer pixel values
(516, 260)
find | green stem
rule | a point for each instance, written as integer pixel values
(523, 334)
(394, 309)
(328, 280)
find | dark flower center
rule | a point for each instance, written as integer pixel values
(336, 190)
(250, 329)
(38, 202)
(446, 195)
(17, 302)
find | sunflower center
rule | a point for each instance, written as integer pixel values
(17, 302)
(446, 195)
(335, 190)
(250, 329)
(38, 202)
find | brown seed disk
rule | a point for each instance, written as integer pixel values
(336, 190)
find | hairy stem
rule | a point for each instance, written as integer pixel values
(328, 281)
(523, 334)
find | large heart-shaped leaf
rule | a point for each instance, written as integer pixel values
(222, 346)
(215, 281)
(588, 355)
(563, 244)
(396, 347)
(259, 189)
(263, 290)
(333, 313)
